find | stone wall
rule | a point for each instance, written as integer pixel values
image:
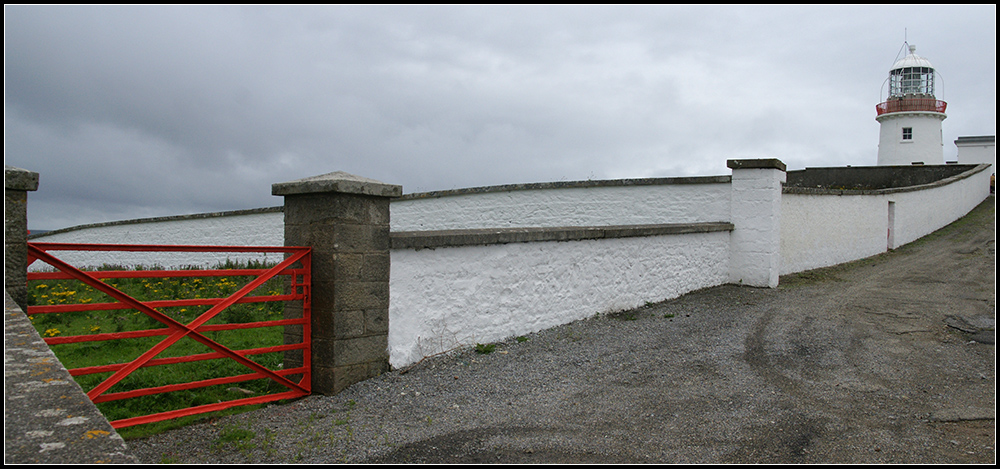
(17, 183)
(48, 419)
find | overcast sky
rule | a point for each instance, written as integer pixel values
(131, 112)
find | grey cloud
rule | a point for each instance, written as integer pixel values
(142, 111)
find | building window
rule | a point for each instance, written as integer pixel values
(907, 133)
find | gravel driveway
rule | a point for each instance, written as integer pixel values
(885, 360)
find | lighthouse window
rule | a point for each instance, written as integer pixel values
(911, 80)
(907, 133)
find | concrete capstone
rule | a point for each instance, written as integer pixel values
(337, 181)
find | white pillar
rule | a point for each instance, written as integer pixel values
(755, 243)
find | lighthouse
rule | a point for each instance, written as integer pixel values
(910, 117)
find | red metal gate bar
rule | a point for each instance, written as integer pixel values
(178, 387)
(165, 331)
(152, 273)
(159, 248)
(176, 330)
(70, 308)
(203, 409)
(181, 330)
(188, 359)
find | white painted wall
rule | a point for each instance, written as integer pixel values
(572, 206)
(247, 229)
(755, 254)
(824, 230)
(975, 153)
(446, 297)
(919, 213)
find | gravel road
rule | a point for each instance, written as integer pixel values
(886, 360)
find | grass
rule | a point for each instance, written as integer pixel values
(235, 436)
(124, 350)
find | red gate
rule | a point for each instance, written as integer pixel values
(296, 266)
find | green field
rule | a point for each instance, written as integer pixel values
(85, 354)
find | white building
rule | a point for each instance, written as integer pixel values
(978, 149)
(911, 116)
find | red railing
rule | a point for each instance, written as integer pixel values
(911, 104)
(296, 265)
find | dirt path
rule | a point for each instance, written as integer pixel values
(900, 345)
(886, 360)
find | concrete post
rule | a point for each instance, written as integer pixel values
(345, 219)
(17, 183)
(755, 243)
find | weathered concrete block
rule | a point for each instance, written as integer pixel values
(375, 267)
(361, 295)
(362, 267)
(347, 266)
(15, 214)
(377, 321)
(330, 381)
(19, 179)
(359, 350)
(345, 219)
(349, 324)
(15, 262)
(337, 182)
(17, 182)
(328, 209)
(324, 379)
(361, 238)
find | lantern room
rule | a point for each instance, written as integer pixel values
(911, 76)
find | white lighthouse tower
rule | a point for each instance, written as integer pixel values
(910, 118)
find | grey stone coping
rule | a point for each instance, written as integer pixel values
(47, 417)
(976, 140)
(337, 181)
(194, 216)
(19, 179)
(570, 184)
(485, 236)
(762, 163)
(969, 170)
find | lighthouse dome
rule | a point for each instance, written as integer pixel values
(912, 60)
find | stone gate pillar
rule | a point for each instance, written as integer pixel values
(16, 184)
(345, 219)
(755, 243)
